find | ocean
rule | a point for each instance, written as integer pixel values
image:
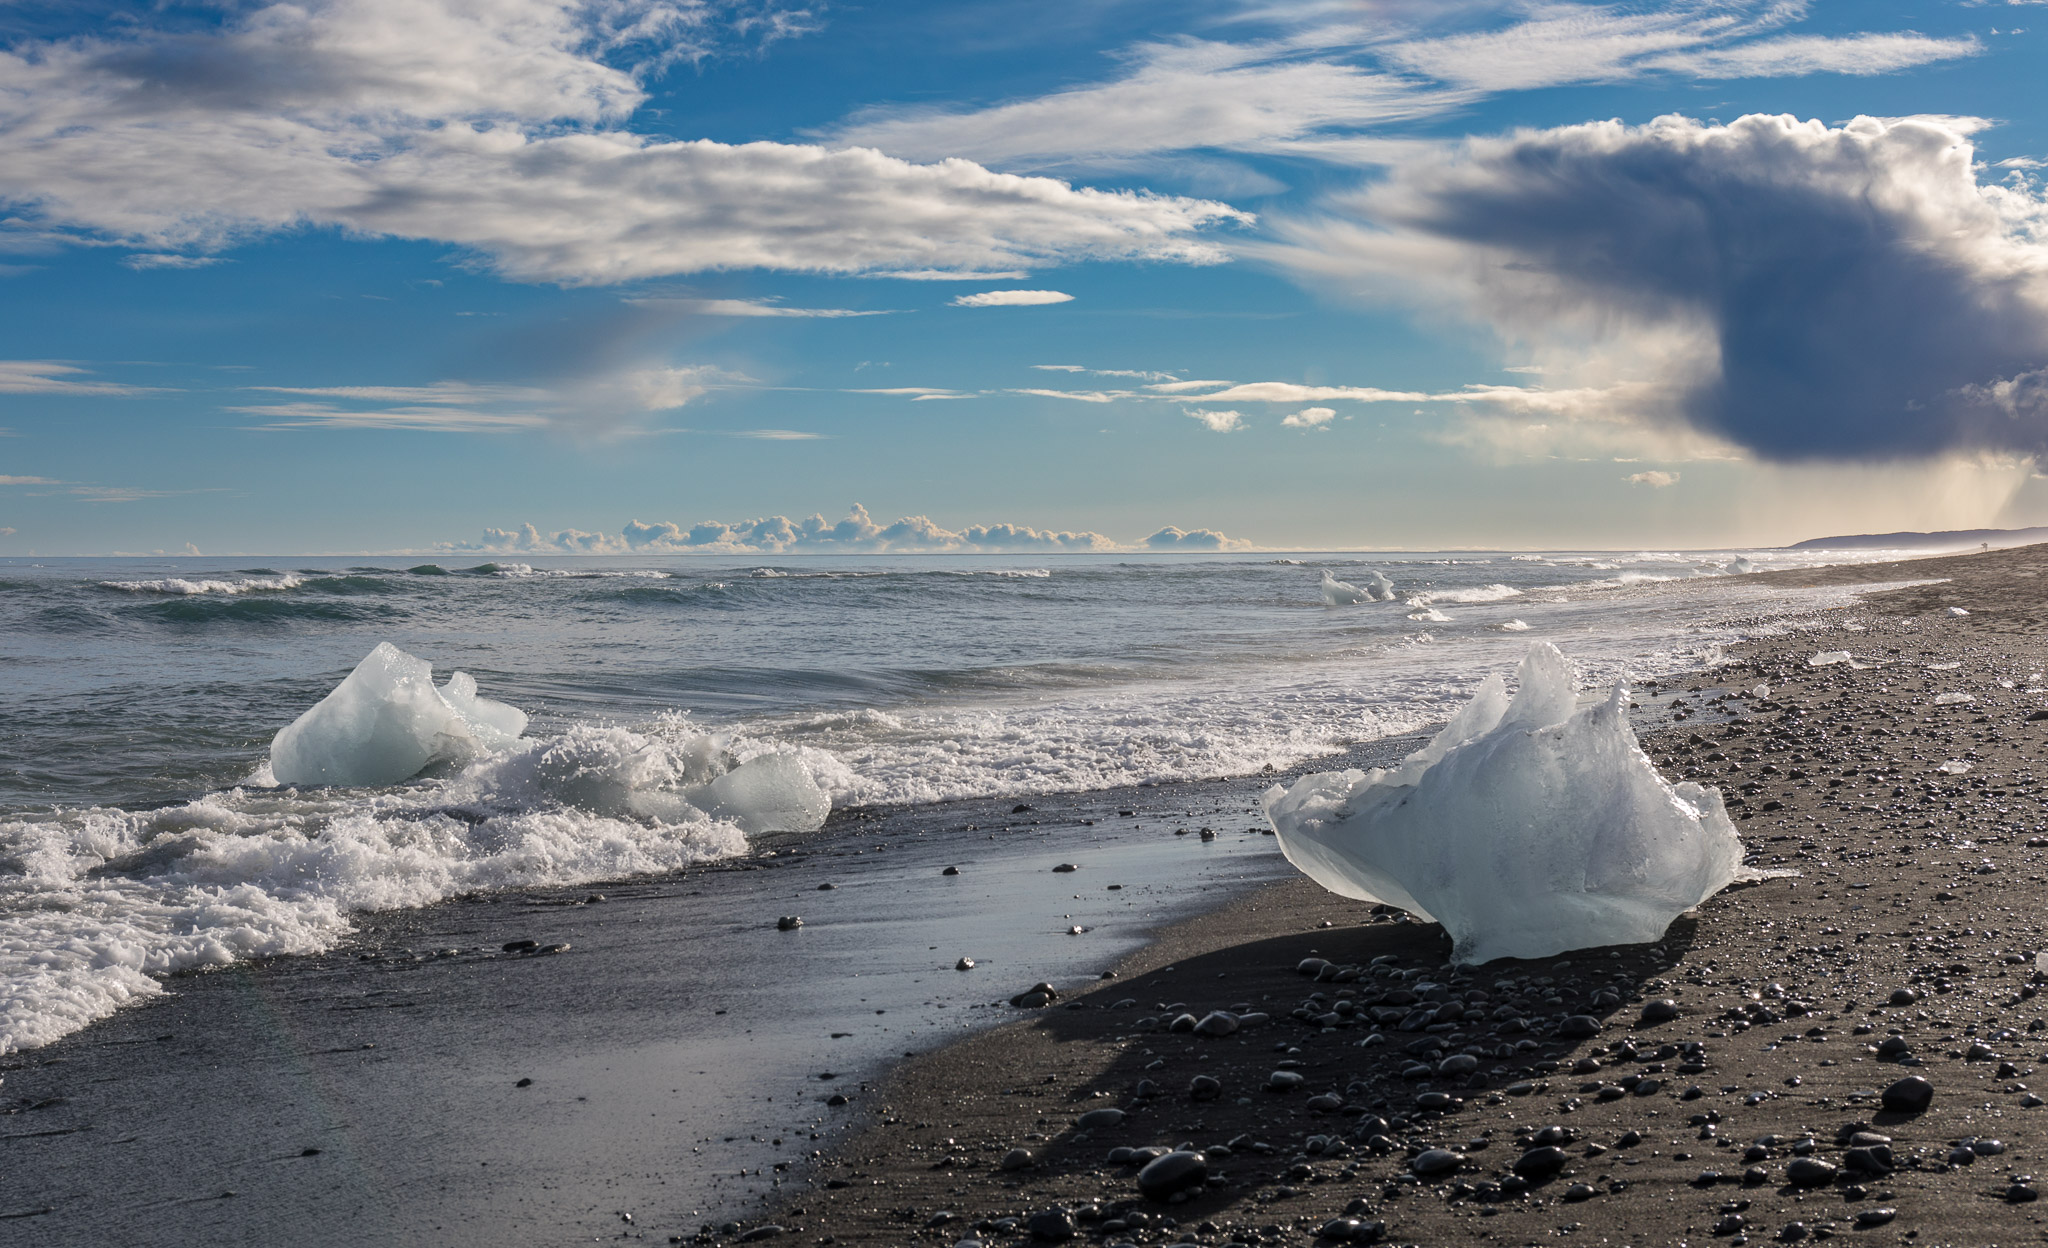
(141, 832)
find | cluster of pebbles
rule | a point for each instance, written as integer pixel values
(1847, 1051)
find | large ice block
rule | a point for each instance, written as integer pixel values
(1527, 827)
(387, 721)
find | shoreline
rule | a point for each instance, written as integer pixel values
(1920, 892)
(333, 1086)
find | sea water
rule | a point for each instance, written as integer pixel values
(141, 832)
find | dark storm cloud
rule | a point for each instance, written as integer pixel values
(1845, 293)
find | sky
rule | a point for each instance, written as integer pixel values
(788, 276)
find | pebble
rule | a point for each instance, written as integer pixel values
(1176, 1171)
(1037, 996)
(964, 964)
(826, 888)
(1217, 1023)
(769, 1231)
(1065, 867)
(1875, 1217)
(1017, 1159)
(1435, 1161)
(1204, 1088)
(1910, 1095)
(1285, 1080)
(950, 871)
(1579, 1027)
(788, 923)
(1809, 1172)
(1097, 1119)
(1541, 1163)
(1660, 1011)
(1051, 1225)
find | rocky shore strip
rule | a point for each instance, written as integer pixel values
(1847, 1052)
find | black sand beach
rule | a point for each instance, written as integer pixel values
(374, 1094)
(1769, 1099)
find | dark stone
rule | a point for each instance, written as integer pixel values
(1035, 997)
(1809, 1172)
(1164, 1176)
(1904, 996)
(1051, 1225)
(1204, 1088)
(1911, 1095)
(789, 923)
(1436, 1161)
(1875, 1217)
(1097, 1119)
(1660, 1011)
(1541, 1163)
(769, 1231)
(1579, 1027)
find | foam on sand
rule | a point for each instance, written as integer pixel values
(107, 900)
(387, 722)
(1336, 593)
(1527, 827)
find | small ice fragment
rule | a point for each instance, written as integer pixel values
(1828, 658)
(1957, 611)
(772, 793)
(1429, 615)
(1742, 566)
(1527, 826)
(1338, 593)
(1855, 628)
(1512, 626)
(387, 721)
(2004, 683)
(1951, 699)
(1761, 692)
(1956, 767)
(1943, 667)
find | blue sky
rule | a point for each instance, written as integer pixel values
(677, 275)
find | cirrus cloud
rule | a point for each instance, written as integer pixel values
(1012, 299)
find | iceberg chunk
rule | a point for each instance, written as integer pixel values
(1527, 827)
(387, 721)
(1377, 588)
(772, 793)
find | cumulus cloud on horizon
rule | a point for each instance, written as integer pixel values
(1795, 290)
(858, 533)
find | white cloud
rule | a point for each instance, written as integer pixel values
(1310, 418)
(1654, 478)
(1172, 537)
(1790, 289)
(751, 308)
(1322, 78)
(1290, 392)
(917, 394)
(776, 435)
(498, 126)
(1181, 387)
(857, 533)
(54, 377)
(952, 275)
(1012, 299)
(9, 480)
(143, 260)
(1137, 374)
(6, 532)
(1217, 422)
(1077, 396)
(602, 404)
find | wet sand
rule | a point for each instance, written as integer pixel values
(424, 1084)
(1906, 947)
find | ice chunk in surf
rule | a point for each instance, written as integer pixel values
(1336, 593)
(1527, 827)
(387, 721)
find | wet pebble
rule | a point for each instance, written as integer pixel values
(1435, 1161)
(1176, 1171)
(1910, 1095)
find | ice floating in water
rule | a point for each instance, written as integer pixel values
(1512, 626)
(1429, 615)
(1338, 593)
(387, 721)
(1742, 566)
(1526, 827)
